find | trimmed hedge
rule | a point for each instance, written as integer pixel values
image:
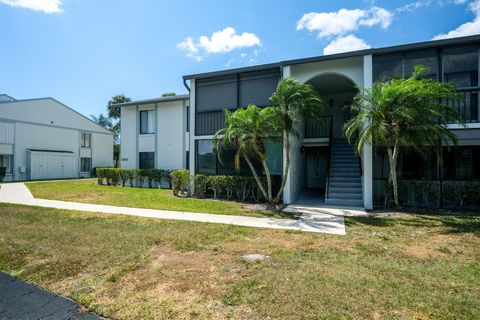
(180, 181)
(115, 176)
(220, 186)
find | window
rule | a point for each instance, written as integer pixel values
(461, 163)
(147, 118)
(387, 67)
(426, 58)
(85, 140)
(85, 164)
(207, 161)
(147, 160)
(206, 158)
(460, 67)
(6, 161)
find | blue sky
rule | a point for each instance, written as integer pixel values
(82, 52)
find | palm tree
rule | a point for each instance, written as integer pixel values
(294, 100)
(412, 112)
(113, 109)
(248, 130)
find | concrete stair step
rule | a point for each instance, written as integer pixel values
(345, 186)
(345, 180)
(344, 195)
(345, 189)
(344, 202)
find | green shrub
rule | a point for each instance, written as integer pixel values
(139, 177)
(166, 175)
(101, 175)
(243, 187)
(201, 183)
(123, 176)
(230, 185)
(149, 175)
(180, 181)
(130, 175)
(217, 184)
(3, 171)
(157, 176)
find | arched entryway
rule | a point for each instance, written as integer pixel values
(329, 163)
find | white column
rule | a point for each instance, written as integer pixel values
(192, 129)
(367, 155)
(287, 192)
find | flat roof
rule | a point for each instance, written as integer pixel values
(372, 51)
(155, 100)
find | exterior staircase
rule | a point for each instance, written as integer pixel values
(345, 180)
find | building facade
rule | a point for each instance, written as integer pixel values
(44, 139)
(155, 133)
(321, 160)
(176, 132)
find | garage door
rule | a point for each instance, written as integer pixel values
(51, 165)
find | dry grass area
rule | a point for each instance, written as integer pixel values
(88, 191)
(422, 267)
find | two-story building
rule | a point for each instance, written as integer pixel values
(321, 160)
(45, 139)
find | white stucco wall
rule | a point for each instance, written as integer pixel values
(47, 124)
(168, 140)
(171, 135)
(351, 68)
(128, 137)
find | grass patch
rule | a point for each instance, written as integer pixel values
(138, 268)
(88, 191)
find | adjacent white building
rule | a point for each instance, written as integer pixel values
(45, 139)
(155, 133)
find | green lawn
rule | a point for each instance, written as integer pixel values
(419, 267)
(88, 191)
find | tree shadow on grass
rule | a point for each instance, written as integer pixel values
(448, 224)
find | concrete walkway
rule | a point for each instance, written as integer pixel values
(21, 301)
(323, 222)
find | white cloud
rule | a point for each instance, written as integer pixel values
(190, 49)
(344, 21)
(412, 6)
(47, 6)
(222, 41)
(345, 44)
(466, 29)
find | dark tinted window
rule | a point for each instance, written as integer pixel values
(205, 158)
(257, 87)
(387, 67)
(461, 163)
(426, 58)
(147, 160)
(216, 94)
(460, 66)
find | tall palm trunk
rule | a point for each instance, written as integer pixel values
(393, 157)
(267, 173)
(286, 144)
(255, 175)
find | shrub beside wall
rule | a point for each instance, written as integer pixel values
(226, 187)
(117, 176)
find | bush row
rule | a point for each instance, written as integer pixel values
(220, 186)
(116, 176)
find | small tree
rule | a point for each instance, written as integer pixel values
(412, 112)
(294, 100)
(113, 109)
(247, 130)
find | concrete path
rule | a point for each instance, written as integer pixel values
(323, 222)
(22, 301)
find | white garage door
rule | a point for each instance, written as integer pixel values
(50, 165)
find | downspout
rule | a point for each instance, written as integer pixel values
(186, 85)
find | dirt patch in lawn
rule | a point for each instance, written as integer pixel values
(189, 283)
